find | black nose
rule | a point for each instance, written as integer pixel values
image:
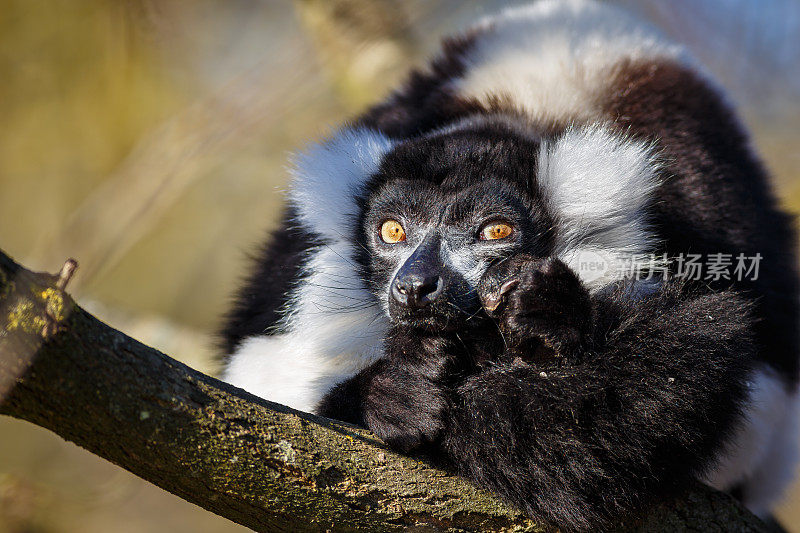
(415, 290)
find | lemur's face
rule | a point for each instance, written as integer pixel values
(440, 212)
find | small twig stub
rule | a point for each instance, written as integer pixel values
(70, 265)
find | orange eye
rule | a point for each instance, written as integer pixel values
(494, 231)
(392, 232)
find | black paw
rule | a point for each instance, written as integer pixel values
(537, 301)
(409, 419)
(403, 406)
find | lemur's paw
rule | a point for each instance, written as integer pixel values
(537, 300)
(406, 429)
(404, 409)
(406, 436)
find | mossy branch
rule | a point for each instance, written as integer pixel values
(257, 463)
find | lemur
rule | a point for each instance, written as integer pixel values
(429, 280)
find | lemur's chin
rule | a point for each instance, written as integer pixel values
(431, 325)
(430, 322)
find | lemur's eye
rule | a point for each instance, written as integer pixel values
(392, 232)
(496, 230)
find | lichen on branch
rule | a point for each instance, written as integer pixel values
(258, 463)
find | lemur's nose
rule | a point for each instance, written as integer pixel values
(415, 290)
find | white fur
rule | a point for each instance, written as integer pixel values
(598, 185)
(328, 178)
(779, 468)
(336, 326)
(762, 455)
(555, 59)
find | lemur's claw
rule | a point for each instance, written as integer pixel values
(492, 301)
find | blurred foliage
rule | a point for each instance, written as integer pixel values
(149, 139)
(93, 88)
(365, 46)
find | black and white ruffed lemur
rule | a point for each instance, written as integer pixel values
(429, 278)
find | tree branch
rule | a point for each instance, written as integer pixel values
(257, 463)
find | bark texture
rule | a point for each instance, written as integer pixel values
(257, 463)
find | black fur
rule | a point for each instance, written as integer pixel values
(426, 101)
(597, 405)
(716, 195)
(631, 416)
(630, 412)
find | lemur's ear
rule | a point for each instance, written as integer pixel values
(329, 176)
(599, 184)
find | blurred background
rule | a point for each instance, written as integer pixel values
(149, 139)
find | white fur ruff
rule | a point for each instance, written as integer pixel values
(555, 59)
(599, 186)
(335, 326)
(762, 455)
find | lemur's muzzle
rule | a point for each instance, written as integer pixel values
(420, 281)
